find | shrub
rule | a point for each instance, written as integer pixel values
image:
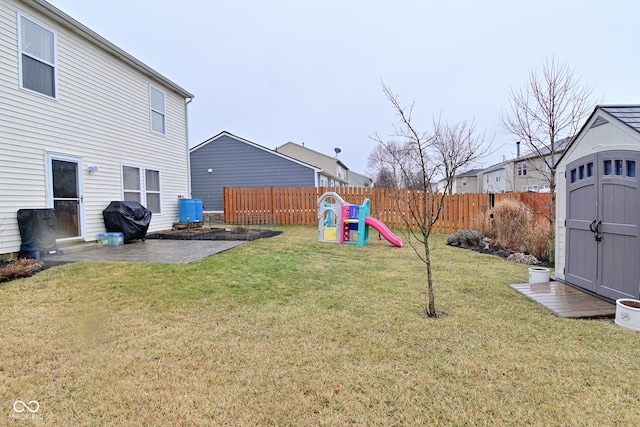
(537, 239)
(465, 238)
(18, 268)
(514, 226)
(483, 224)
(511, 220)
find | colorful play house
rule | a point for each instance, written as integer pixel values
(341, 222)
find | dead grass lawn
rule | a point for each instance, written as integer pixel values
(288, 331)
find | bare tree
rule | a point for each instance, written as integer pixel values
(418, 159)
(545, 115)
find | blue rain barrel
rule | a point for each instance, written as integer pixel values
(187, 210)
(198, 209)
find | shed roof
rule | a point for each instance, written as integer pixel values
(627, 114)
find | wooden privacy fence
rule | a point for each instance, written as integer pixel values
(299, 205)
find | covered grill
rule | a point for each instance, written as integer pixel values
(129, 218)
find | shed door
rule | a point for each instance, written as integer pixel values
(603, 213)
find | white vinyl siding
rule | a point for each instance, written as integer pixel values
(157, 110)
(37, 50)
(101, 116)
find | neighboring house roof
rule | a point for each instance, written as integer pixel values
(253, 144)
(315, 152)
(65, 20)
(359, 180)
(471, 172)
(292, 147)
(560, 146)
(497, 166)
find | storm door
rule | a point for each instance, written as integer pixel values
(603, 213)
(65, 195)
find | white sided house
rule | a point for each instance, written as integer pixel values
(83, 123)
(598, 205)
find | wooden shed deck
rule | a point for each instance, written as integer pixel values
(566, 301)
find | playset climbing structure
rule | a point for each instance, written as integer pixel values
(341, 222)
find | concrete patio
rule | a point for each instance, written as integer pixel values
(150, 250)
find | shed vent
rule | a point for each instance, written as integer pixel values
(599, 121)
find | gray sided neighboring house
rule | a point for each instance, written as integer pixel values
(226, 160)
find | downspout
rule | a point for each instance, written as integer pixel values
(186, 129)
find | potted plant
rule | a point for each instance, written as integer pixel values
(538, 275)
(628, 313)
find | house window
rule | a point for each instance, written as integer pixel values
(142, 186)
(522, 169)
(37, 57)
(131, 184)
(498, 178)
(157, 107)
(152, 190)
(464, 182)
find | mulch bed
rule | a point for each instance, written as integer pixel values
(215, 234)
(45, 263)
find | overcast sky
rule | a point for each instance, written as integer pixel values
(303, 71)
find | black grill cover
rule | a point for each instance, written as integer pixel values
(38, 232)
(129, 218)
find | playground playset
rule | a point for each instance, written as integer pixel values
(341, 222)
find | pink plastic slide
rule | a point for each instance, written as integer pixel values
(384, 231)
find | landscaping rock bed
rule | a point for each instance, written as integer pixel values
(509, 255)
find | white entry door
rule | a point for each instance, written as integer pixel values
(65, 195)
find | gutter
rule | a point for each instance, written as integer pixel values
(187, 101)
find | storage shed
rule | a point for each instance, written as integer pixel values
(598, 205)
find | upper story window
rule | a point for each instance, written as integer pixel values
(37, 47)
(522, 169)
(464, 182)
(157, 110)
